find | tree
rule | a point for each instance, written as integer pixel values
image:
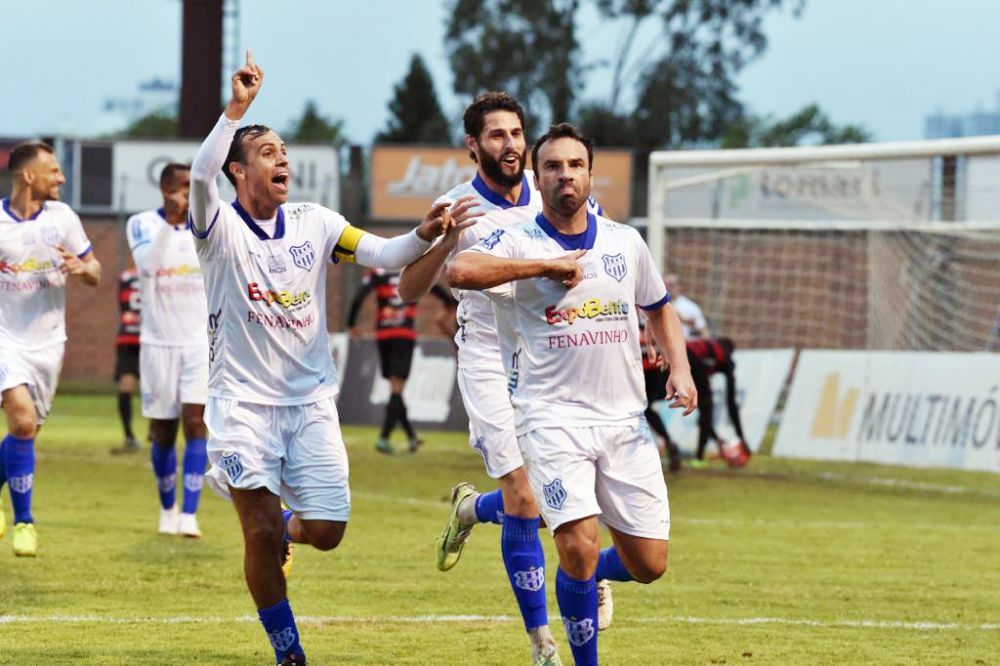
(526, 47)
(155, 125)
(416, 112)
(810, 125)
(312, 127)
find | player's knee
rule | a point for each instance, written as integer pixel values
(194, 428)
(264, 533)
(23, 425)
(647, 572)
(324, 535)
(520, 501)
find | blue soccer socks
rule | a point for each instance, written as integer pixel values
(165, 468)
(279, 624)
(610, 567)
(489, 507)
(524, 560)
(578, 604)
(19, 468)
(195, 459)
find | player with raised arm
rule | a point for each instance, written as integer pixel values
(494, 136)
(564, 283)
(42, 243)
(173, 356)
(271, 411)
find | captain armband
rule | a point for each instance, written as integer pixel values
(347, 245)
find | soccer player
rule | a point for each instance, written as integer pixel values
(494, 136)
(173, 355)
(271, 411)
(42, 244)
(127, 354)
(708, 357)
(564, 283)
(692, 318)
(656, 389)
(396, 337)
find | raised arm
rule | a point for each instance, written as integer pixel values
(211, 156)
(478, 270)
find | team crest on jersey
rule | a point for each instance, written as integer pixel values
(304, 256)
(531, 580)
(232, 465)
(50, 236)
(275, 264)
(614, 265)
(282, 640)
(555, 494)
(493, 239)
(579, 632)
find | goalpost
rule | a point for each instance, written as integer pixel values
(872, 246)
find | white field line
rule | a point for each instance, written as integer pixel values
(720, 522)
(448, 619)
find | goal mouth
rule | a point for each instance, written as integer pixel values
(877, 246)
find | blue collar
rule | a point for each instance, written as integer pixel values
(6, 207)
(485, 192)
(162, 213)
(279, 226)
(581, 241)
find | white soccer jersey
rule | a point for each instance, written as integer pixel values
(477, 328)
(574, 355)
(267, 328)
(32, 288)
(174, 309)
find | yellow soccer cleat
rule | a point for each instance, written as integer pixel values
(452, 540)
(286, 559)
(25, 540)
(3, 522)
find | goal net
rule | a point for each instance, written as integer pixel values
(880, 246)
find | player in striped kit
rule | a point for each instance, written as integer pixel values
(271, 412)
(494, 136)
(42, 243)
(127, 354)
(565, 284)
(396, 338)
(173, 353)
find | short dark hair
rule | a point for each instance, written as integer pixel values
(237, 149)
(474, 118)
(169, 171)
(563, 131)
(23, 153)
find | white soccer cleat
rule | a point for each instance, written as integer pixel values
(605, 605)
(169, 519)
(187, 525)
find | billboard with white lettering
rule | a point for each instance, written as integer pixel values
(922, 409)
(760, 376)
(136, 167)
(407, 179)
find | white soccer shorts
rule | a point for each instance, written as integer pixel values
(612, 472)
(38, 369)
(491, 420)
(170, 377)
(296, 452)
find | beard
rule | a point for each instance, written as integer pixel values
(568, 203)
(493, 169)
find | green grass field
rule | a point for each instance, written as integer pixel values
(784, 562)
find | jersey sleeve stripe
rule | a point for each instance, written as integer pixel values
(658, 304)
(90, 246)
(347, 244)
(203, 235)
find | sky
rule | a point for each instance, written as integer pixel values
(884, 64)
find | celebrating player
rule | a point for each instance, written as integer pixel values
(271, 411)
(127, 354)
(396, 337)
(42, 242)
(494, 136)
(173, 355)
(564, 283)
